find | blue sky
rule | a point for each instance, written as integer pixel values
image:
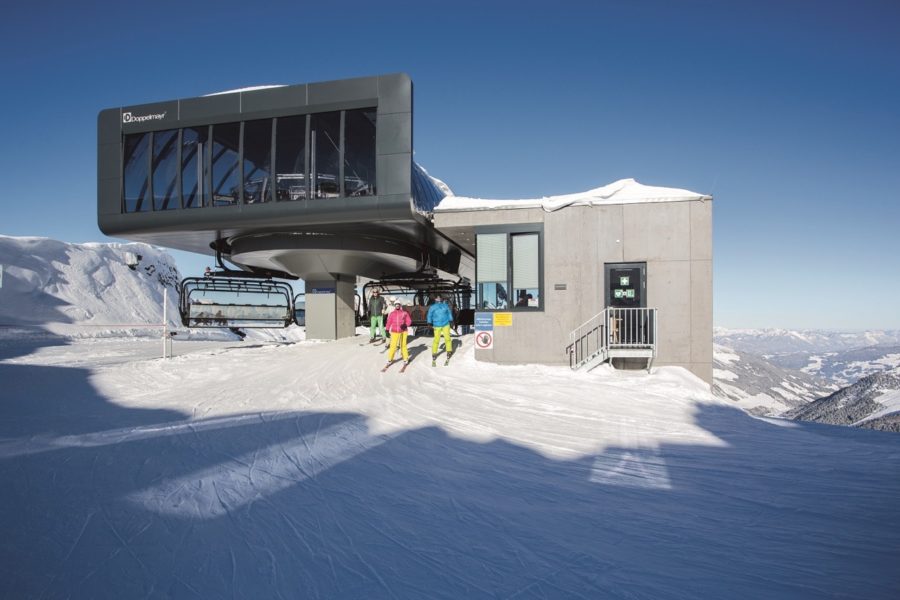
(787, 112)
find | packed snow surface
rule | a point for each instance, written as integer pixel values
(300, 470)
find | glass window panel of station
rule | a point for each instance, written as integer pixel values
(491, 271)
(136, 188)
(325, 154)
(165, 170)
(290, 158)
(225, 174)
(193, 161)
(526, 270)
(257, 161)
(359, 152)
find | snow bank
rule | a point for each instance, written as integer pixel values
(88, 291)
(623, 191)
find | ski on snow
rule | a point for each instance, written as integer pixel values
(388, 366)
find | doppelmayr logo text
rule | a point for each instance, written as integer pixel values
(132, 118)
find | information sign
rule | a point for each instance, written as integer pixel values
(484, 321)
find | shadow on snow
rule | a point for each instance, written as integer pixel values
(133, 503)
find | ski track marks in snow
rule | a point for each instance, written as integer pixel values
(301, 471)
(228, 486)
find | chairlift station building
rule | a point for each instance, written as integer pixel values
(317, 181)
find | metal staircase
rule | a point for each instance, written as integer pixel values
(614, 333)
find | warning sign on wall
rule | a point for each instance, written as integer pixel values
(484, 340)
(502, 319)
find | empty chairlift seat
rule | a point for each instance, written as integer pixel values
(235, 302)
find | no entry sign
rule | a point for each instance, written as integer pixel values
(484, 340)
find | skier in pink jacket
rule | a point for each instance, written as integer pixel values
(398, 323)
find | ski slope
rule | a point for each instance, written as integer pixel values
(299, 470)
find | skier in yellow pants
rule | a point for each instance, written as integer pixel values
(439, 317)
(398, 325)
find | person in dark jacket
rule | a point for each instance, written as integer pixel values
(439, 317)
(376, 315)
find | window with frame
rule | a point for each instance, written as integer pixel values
(257, 166)
(226, 174)
(165, 170)
(297, 157)
(194, 167)
(508, 271)
(136, 184)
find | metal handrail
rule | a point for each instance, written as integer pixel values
(588, 339)
(613, 329)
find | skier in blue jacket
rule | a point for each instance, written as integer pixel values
(439, 317)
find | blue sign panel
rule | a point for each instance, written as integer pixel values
(484, 321)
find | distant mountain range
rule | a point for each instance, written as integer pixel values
(839, 356)
(786, 341)
(761, 387)
(872, 402)
(846, 378)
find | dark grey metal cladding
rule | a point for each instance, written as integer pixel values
(218, 108)
(390, 214)
(343, 90)
(109, 157)
(280, 99)
(397, 134)
(395, 93)
(149, 117)
(284, 216)
(320, 256)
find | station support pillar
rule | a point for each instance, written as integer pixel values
(330, 313)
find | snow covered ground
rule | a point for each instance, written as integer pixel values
(297, 469)
(261, 470)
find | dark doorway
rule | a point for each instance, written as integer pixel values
(626, 285)
(626, 296)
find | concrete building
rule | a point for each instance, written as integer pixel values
(625, 245)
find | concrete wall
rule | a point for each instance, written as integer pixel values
(330, 315)
(674, 239)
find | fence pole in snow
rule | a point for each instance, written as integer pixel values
(165, 320)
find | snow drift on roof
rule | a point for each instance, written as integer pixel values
(623, 191)
(246, 89)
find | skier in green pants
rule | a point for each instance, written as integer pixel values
(376, 315)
